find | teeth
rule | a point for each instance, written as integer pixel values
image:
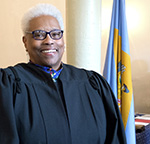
(48, 51)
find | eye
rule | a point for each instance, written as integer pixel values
(39, 34)
(56, 34)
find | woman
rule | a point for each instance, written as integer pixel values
(48, 102)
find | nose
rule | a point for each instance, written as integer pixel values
(48, 40)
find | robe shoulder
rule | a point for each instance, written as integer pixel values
(96, 80)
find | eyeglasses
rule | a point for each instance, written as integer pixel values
(55, 34)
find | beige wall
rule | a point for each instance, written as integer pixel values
(138, 19)
(12, 50)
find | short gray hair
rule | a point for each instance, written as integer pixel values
(38, 10)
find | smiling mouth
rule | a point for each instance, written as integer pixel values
(49, 51)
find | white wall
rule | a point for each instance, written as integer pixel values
(138, 20)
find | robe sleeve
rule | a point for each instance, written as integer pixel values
(8, 128)
(115, 128)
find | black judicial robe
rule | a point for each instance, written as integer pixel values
(79, 109)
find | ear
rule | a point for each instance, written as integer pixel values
(24, 39)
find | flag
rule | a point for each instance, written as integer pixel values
(117, 68)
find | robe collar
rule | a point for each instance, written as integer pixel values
(54, 74)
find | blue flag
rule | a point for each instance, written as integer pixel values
(117, 69)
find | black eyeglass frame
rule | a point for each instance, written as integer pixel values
(33, 32)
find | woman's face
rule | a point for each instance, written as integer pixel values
(47, 52)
